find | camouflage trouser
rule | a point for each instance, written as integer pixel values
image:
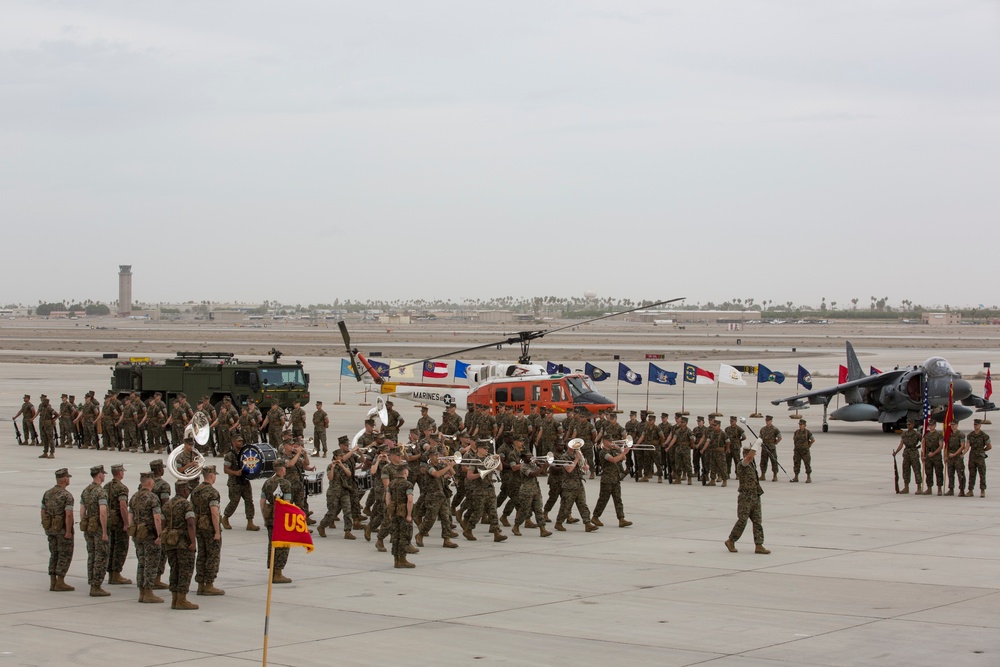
(274, 436)
(66, 432)
(225, 441)
(748, 507)
(147, 555)
(610, 491)
(131, 433)
(911, 462)
(337, 500)
(117, 549)
(459, 491)
(181, 561)
(319, 440)
(435, 508)
(89, 434)
(682, 460)
(48, 437)
(250, 435)
(802, 457)
(209, 554)
(555, 492)
(377, 512)
(299, 498)
(280, 554)
(477, 505)
(768, 455)
(934, 466)
(574, 494)
(60, 553)
(402, 531)
(698, 463)
(529, 501)
(30, 434)
(356, 503)
(176, 436)
(97, 558)
(588, 454)
(956, 465)
(239, 492)
(514, 490)
(109, 434)
(544, 447)
(716, 463)
(977, 464)
(157, 436)
(732, 457)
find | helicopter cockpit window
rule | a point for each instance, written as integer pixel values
(576, 386)
(557, 392)
(938, 367)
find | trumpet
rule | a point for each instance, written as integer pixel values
(455, 458)
(547, 459)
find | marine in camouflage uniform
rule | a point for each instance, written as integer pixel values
(298, 418)
(714, 453)
(27, 414)
(979, 444)
(145, 524)
(910, 443)
(276, 486)
(206, 502)
(180, 544)
(88, 416)
(377, 497)
(478, 497)
(451, 423)
(117, 525)
(391, 429)
(529, 499)
(955, 455)
(388, 473)
(699, 463)
(47, 416)
(228, 418)
(321, 422)
(554, 481)
(736, 436)
(512, 468)
(933, 462)
(161, 489)
(274, 422)
(66, 430)
(426, 422)
(573, 493)
(771, 436)
(297, 461)
(802, 440)
(649, 434)
(94, 524)
(611, 483)
(109, 424)
(585, 430)
(400, 508)
(681, 440)
(633, 427)
(129, 421)
(255, 419)
(433, 475)
(667, 454)
(237, 485)
(338, 495)
(57, 521)
(748, 504)
(547, 434)
(156, 415)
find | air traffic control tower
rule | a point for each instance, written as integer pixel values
(124, 290)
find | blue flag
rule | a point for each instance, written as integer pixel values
(660, 376)
(564, 369)
(381, 368)
(626, 374)
(595, 373)
(805, 379)
(461, 369)
(345, 368)
(765, 374)
(551, 368)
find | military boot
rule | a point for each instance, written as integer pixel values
(468, 535)
(795, 479)
(403, 563)
(368, 533)
(760, 549)
(410, 549)
(774, 477)
(950, 492)
(906, 488)
(982, 493)
(559, 526)
(116, 579)
(763, 475)
(379, 545)
(731, 546)
(359, 524)
(251, 525)
(920, 490)
(98, 592)
(61, 585)
(419, 538)
(624, 523)
(279, 578)
(158, 585)
(528, 523)
(210, 589)
(572, 520)
(201, 589)
(225, 522)
(940, 490)
(348, 535)
(321, 529)
(184, 603)
(173, 600)
(516, 530)
(543, 532)
(596, 521)
(809, 480)
(448, 544)
(52, 582)
(927, 491)
(725, 482)
(504, 520)
(498, 536)
(146, 595)
(590, 527)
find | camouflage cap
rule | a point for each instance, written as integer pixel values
(802, 421)
(236, 437)
(65, 396)
(768, 418)
(43, 397)
(156, 464)
(97, 470)
(678, 414)
(977, 421)
(632, 413)
(181, 485)
(280, 463)
(145, 475)
(208, 470)
(118, 467)
(62, 472)
(732, 418)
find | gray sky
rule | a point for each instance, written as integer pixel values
(314, 150)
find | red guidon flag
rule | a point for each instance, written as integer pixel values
(290, 527)
(989, 385)
(842, 375)
(949, 414)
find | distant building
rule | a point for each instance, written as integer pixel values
(709, 316)
(393, 319)
(124, 290)
(941, 319)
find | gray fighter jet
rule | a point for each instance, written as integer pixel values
(893, 397)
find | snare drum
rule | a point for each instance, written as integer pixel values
(257, 461)
(363, 479)
(313, 482)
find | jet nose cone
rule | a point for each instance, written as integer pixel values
(962, 388)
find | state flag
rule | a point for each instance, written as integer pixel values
(660, 376)
(698, 375)
(461, 369)
(345, 368)
(435, 369)
(730, 375)
(402, 369)
(765, 374)
(805, 378)
(290, 528)
(626, 374)
(873, 371)
(381, 368)
(595, 373)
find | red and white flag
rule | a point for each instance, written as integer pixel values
(435, 369)
(698, 375)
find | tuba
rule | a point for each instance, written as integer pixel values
(198, 430)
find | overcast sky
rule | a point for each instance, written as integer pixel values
(308, 151)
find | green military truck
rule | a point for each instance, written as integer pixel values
(214, 374)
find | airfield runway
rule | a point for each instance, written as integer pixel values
(857, 575)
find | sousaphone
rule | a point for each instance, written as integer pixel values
(198, 430)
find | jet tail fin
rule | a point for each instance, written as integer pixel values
(854, 370)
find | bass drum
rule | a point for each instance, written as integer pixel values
(258, 460)
(313, 482)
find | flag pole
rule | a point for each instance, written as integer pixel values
(718, 385)
(618, 387)
(756, 396)
(683, 382)
(647, 394)
(796, 415)
(267, 611)
(340, 389)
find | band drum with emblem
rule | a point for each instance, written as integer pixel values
(257, 460)
(363, 479)
(313, 482)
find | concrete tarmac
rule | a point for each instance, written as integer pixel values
(857, 575)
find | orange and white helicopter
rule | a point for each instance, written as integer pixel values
(522, 385)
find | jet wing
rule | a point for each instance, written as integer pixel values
(823, 396)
